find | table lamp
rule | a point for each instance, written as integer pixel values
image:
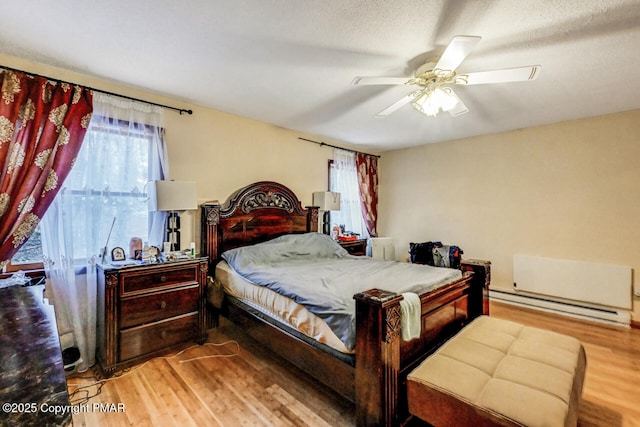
(326, 201)
(174, 197)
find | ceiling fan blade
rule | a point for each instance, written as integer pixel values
(456, 51)
(459, 109)
(396, 105)
(518, 74)
(380, 80)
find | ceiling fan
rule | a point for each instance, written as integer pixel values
(434, 80)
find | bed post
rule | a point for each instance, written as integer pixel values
(312, 218)
(480, 282)
(377, 358)
(210, 212)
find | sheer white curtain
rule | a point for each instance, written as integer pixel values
(122, 151)
(344, 180)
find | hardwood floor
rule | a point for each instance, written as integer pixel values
(242, 384)
(231, 385)
(611, 393)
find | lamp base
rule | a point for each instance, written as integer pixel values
(173, 231)
(326, 223)
(173, 238)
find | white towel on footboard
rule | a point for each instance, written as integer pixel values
(410, 311)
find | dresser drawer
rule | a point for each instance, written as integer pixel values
(142, 309)
(145, 339)
(156, 279)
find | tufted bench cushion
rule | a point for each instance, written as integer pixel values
(498, 372)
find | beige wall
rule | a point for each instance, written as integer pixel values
(569, 190)
(222, 152)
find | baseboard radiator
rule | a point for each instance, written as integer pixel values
(589, 290)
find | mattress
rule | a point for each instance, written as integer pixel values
(317, 273)
(278, 307)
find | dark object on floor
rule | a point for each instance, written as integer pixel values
(69, 357)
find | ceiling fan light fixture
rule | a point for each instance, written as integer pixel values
(444, 98)
(431, 102)
(435, 77)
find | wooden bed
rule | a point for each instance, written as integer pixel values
(376, 379)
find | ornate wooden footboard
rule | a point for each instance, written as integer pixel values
(376, 380)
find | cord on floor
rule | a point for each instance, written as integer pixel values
(86, 389)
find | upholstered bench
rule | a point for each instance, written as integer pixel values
(497, 372)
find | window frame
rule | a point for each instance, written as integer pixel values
(27, 267)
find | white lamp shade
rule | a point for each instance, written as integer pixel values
(327, 200)
(431, 102)
(172, 196)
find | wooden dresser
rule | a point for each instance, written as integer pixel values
(149, 310)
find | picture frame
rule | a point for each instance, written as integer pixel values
(117, 254)
(154, 251)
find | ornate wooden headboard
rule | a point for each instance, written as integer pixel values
(253, 214)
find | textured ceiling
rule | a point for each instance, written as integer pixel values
(291, 62)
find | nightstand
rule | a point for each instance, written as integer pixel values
(355, 247)
(149, 310)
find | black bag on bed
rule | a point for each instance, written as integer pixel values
(421, 253)
(435, 254)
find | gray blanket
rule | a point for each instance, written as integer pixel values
(319, 274)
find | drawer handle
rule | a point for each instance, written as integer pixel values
(163, 334)
(163, 304)
(163, 279)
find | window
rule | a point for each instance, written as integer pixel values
(107, 187)
(29, 256)
(343, 179)
(107, 181)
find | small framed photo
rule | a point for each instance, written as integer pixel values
(117, 254)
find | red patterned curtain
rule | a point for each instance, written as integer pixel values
(367, 167)
(42, 124)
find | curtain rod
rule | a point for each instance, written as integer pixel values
(179, 110)
(339, 148)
